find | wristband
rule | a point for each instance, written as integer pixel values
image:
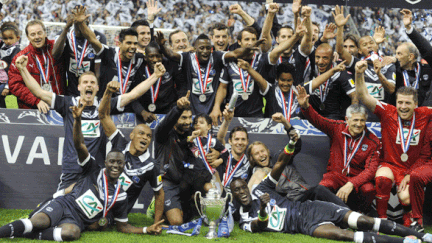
(288, 151)
(262, 219)
(292, 142)
(145, 230)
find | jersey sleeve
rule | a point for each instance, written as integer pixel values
(347, 83)
(156, 179)
(246, 222)
(268, 184)
(118, 140)
(390, 73)
(120, 208)
(115, 104)
(383, 110)
(327, 126)
(60, 104)
(88, 165)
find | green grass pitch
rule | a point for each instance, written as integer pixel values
(136, 219)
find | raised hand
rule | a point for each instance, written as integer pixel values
(80, 14)
(112, 87)
(159, 69)
(184, 102)
(156, 228)
(264, 199)
(278, 117)
(294, 135)
(243, 64)
(340, 67)
(21, 62)
(301, 27)
(407, 18)
(302, 97)
(160, 38)
(329, 31)
(379, 35)
(273, 8)
(296, 6)
(152, 10)
(235, 9)
(361, 66)
(227, 114)
(306, 11)
(338, 16)
(77, 110)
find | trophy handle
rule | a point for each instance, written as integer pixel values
(199, 209)
(228, 199)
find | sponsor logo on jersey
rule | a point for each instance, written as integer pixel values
(414, 139)
(90, 128)
(126, 182)
(89, 204)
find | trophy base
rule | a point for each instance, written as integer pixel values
(212, 231)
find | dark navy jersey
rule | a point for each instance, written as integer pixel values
(87, 196)
(138, 170)
(167, 95)
(191, 68)
(109, 72)
(373, 83)
(69, 61)
(94, 136)
(7, 53)
(243, 172)
(296, 59)
(275, 102)
(252, 107)
(283, 213)
(339, 86)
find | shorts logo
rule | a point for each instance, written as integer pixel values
(168, 202)
(49, 209)
(364, 147)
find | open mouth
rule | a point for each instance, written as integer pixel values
(88, 93)
(143, 143)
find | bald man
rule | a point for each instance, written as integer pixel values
(140, 166)
(331, 88)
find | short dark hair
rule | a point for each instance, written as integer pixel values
(285, 67)
(247, 29)
(152, 45)
(173, 33)
(114, 150)
(405, 90)
(206, 117)
(354, 38)
(140, 23)
(237, 179)
(218, 26)
(10, 26)
(317, 24)
(238, 129)
(34, 22)
(284, 27)
(201, 37)
(125, 32)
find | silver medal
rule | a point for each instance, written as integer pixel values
(202, 98)
(46, 87)
(404, 157)
(245, 96)
(152, 107)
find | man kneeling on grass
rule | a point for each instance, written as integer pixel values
(93, 196)
(266, 210)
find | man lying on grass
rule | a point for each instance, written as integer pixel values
(93, 196)
(266, 210)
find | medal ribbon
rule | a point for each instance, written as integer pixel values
(229, 174)
(153, 91)
(349, 156)
(406, 77)
(204, 153)
(123, 82)
(79, 60)
(405, 144)
(287, 108)
(108, 206)
(307, 68)
(323, 95)
(245, 82)
(44, 73)
(203, 82)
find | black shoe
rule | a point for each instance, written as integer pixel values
(417, 227)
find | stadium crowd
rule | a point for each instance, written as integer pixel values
(285, 62)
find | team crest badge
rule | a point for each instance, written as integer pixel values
(91, 55)
(364, 147)
(212, 72)
(425, 76)
(244, 176)
(272, 202)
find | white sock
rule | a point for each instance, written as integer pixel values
(377, 223)
(358, 237)
(28, 226)
(57, 234)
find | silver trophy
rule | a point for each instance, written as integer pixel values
(212, 206)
